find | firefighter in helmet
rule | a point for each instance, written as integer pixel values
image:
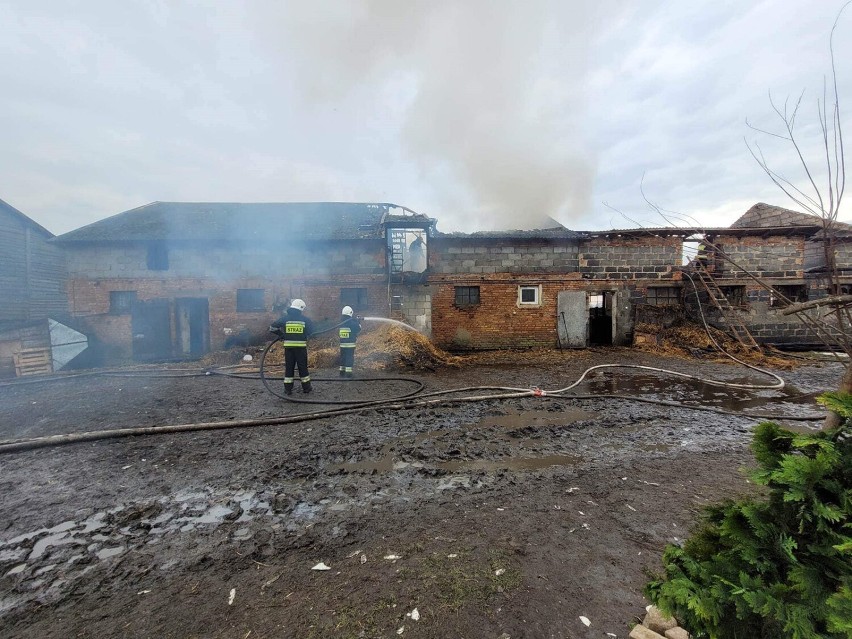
(294, 328)
(350, 326)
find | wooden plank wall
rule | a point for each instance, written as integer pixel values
(32, 272)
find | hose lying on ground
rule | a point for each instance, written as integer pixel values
(56, 440)
(389, 404)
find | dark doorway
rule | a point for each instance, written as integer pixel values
(192, 326)
(600, 318)
(149, 322)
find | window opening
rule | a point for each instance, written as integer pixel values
(407, 250)
(158, 257)
(250, 300)
(663, 296)
(466, 296)
(354, 297)
(735, 294)
(121, 302)
(796, 293)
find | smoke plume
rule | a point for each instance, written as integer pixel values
(488, 94)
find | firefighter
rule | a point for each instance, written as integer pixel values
(295, 329)
(350, 326)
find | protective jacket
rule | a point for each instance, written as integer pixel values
(296, 328)
(348, 331)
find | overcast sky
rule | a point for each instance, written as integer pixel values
(484, 114)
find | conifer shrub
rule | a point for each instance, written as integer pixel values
(778, 566)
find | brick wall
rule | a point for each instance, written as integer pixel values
(630, 258)
(90, 304)
(484, 256)
(498, 321)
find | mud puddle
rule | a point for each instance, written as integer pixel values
(694, 392)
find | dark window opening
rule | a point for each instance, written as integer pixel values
(354, 297)
(796, 293)
(121, 302)
(396, 303)
(736, 295)
(467, 296)
(663, 296)
(158, 257)
(250, 300)
(528, 294)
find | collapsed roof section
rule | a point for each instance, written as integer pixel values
(317, 221)
(247, 222)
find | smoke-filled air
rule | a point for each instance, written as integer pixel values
(489, 95)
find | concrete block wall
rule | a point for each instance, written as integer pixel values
(416, 306)
(630, 258)
(481, 256)
(843, 254)
(227, 263)
(765, 257)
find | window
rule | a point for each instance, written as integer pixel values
(663, 296)
(596, 300)
(796, 293)
(529, 295)
(735, 294)
(396, 302)
(158, 256)
(121, 302)
(250, 300)
(354, 297)
(467, 296)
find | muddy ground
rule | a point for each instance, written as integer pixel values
(493, 519)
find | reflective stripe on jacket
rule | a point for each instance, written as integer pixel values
(294, 333)
(348, 333)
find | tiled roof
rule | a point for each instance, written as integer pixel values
(763, 215)
(244, 222)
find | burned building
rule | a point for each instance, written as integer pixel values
(175, 280)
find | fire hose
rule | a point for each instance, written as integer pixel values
(406, 402)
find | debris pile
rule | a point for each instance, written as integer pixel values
(688, 339)
(385, 348)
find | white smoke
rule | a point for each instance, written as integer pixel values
(490, 94)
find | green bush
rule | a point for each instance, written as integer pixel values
(778, 566)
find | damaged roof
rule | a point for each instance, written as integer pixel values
(560, 233)
(233, 221)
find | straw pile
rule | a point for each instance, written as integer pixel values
(688, 339)
(387, 348)
(383, 348)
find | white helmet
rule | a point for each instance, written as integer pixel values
(347, 310)
(299, 305)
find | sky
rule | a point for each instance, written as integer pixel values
(485, 114)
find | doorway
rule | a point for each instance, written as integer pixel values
(600, 318)
(149, 323)
(192, 326)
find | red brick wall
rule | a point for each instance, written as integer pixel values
(498, 321)
(89, 301)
